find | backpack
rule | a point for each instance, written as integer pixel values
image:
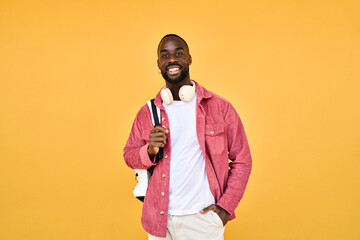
(143, 175)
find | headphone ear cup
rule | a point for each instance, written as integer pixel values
(186, 92)
(166, 96)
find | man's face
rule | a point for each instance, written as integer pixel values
(173, 59)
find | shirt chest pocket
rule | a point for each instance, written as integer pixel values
(215, 138)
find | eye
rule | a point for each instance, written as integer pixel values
(165, 56)
(179, 54)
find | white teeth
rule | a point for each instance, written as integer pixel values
(173, 69)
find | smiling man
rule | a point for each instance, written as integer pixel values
(194, 189)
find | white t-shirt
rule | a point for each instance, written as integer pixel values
(189, 187)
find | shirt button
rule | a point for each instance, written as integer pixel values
(212, 132)
(162, 194)
(162, 212)
(164, 175)
(165, 156)
(163, 119)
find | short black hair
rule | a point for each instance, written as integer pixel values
(173, 35)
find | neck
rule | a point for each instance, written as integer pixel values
(175, 87)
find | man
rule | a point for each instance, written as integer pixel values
(194, 190)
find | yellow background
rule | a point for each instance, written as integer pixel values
(73, 75)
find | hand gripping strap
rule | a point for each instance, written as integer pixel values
(155, 117)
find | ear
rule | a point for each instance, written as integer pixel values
(158, 64)
(190, 59)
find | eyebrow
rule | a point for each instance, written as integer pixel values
(165, 50)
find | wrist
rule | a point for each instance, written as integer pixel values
(151, 153)
(223, 210)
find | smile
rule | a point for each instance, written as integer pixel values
(173, 70)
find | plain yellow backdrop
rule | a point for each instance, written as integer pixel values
(73, 75)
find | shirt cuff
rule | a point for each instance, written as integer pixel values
(144, 157)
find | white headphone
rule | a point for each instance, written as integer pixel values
(186, 93)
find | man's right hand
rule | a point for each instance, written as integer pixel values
(157, 139)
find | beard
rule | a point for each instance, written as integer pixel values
(184, 74)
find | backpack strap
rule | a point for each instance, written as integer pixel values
(155, 112)
(155, 117)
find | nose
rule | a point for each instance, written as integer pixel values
(172, 58)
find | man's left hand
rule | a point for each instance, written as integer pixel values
(223, 214)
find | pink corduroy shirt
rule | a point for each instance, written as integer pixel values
(221, 137)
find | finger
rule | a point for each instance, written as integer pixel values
(157, 134)
(159, 129)
(158, 139)
(157, 144)
(209, 208)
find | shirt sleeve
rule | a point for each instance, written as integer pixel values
(135, 151)
(240, 164)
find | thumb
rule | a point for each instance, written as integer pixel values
(209, 208)
(156, 149)
(152, 151)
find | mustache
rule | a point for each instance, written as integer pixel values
(174, 64)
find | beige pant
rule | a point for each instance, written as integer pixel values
(195, 226)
